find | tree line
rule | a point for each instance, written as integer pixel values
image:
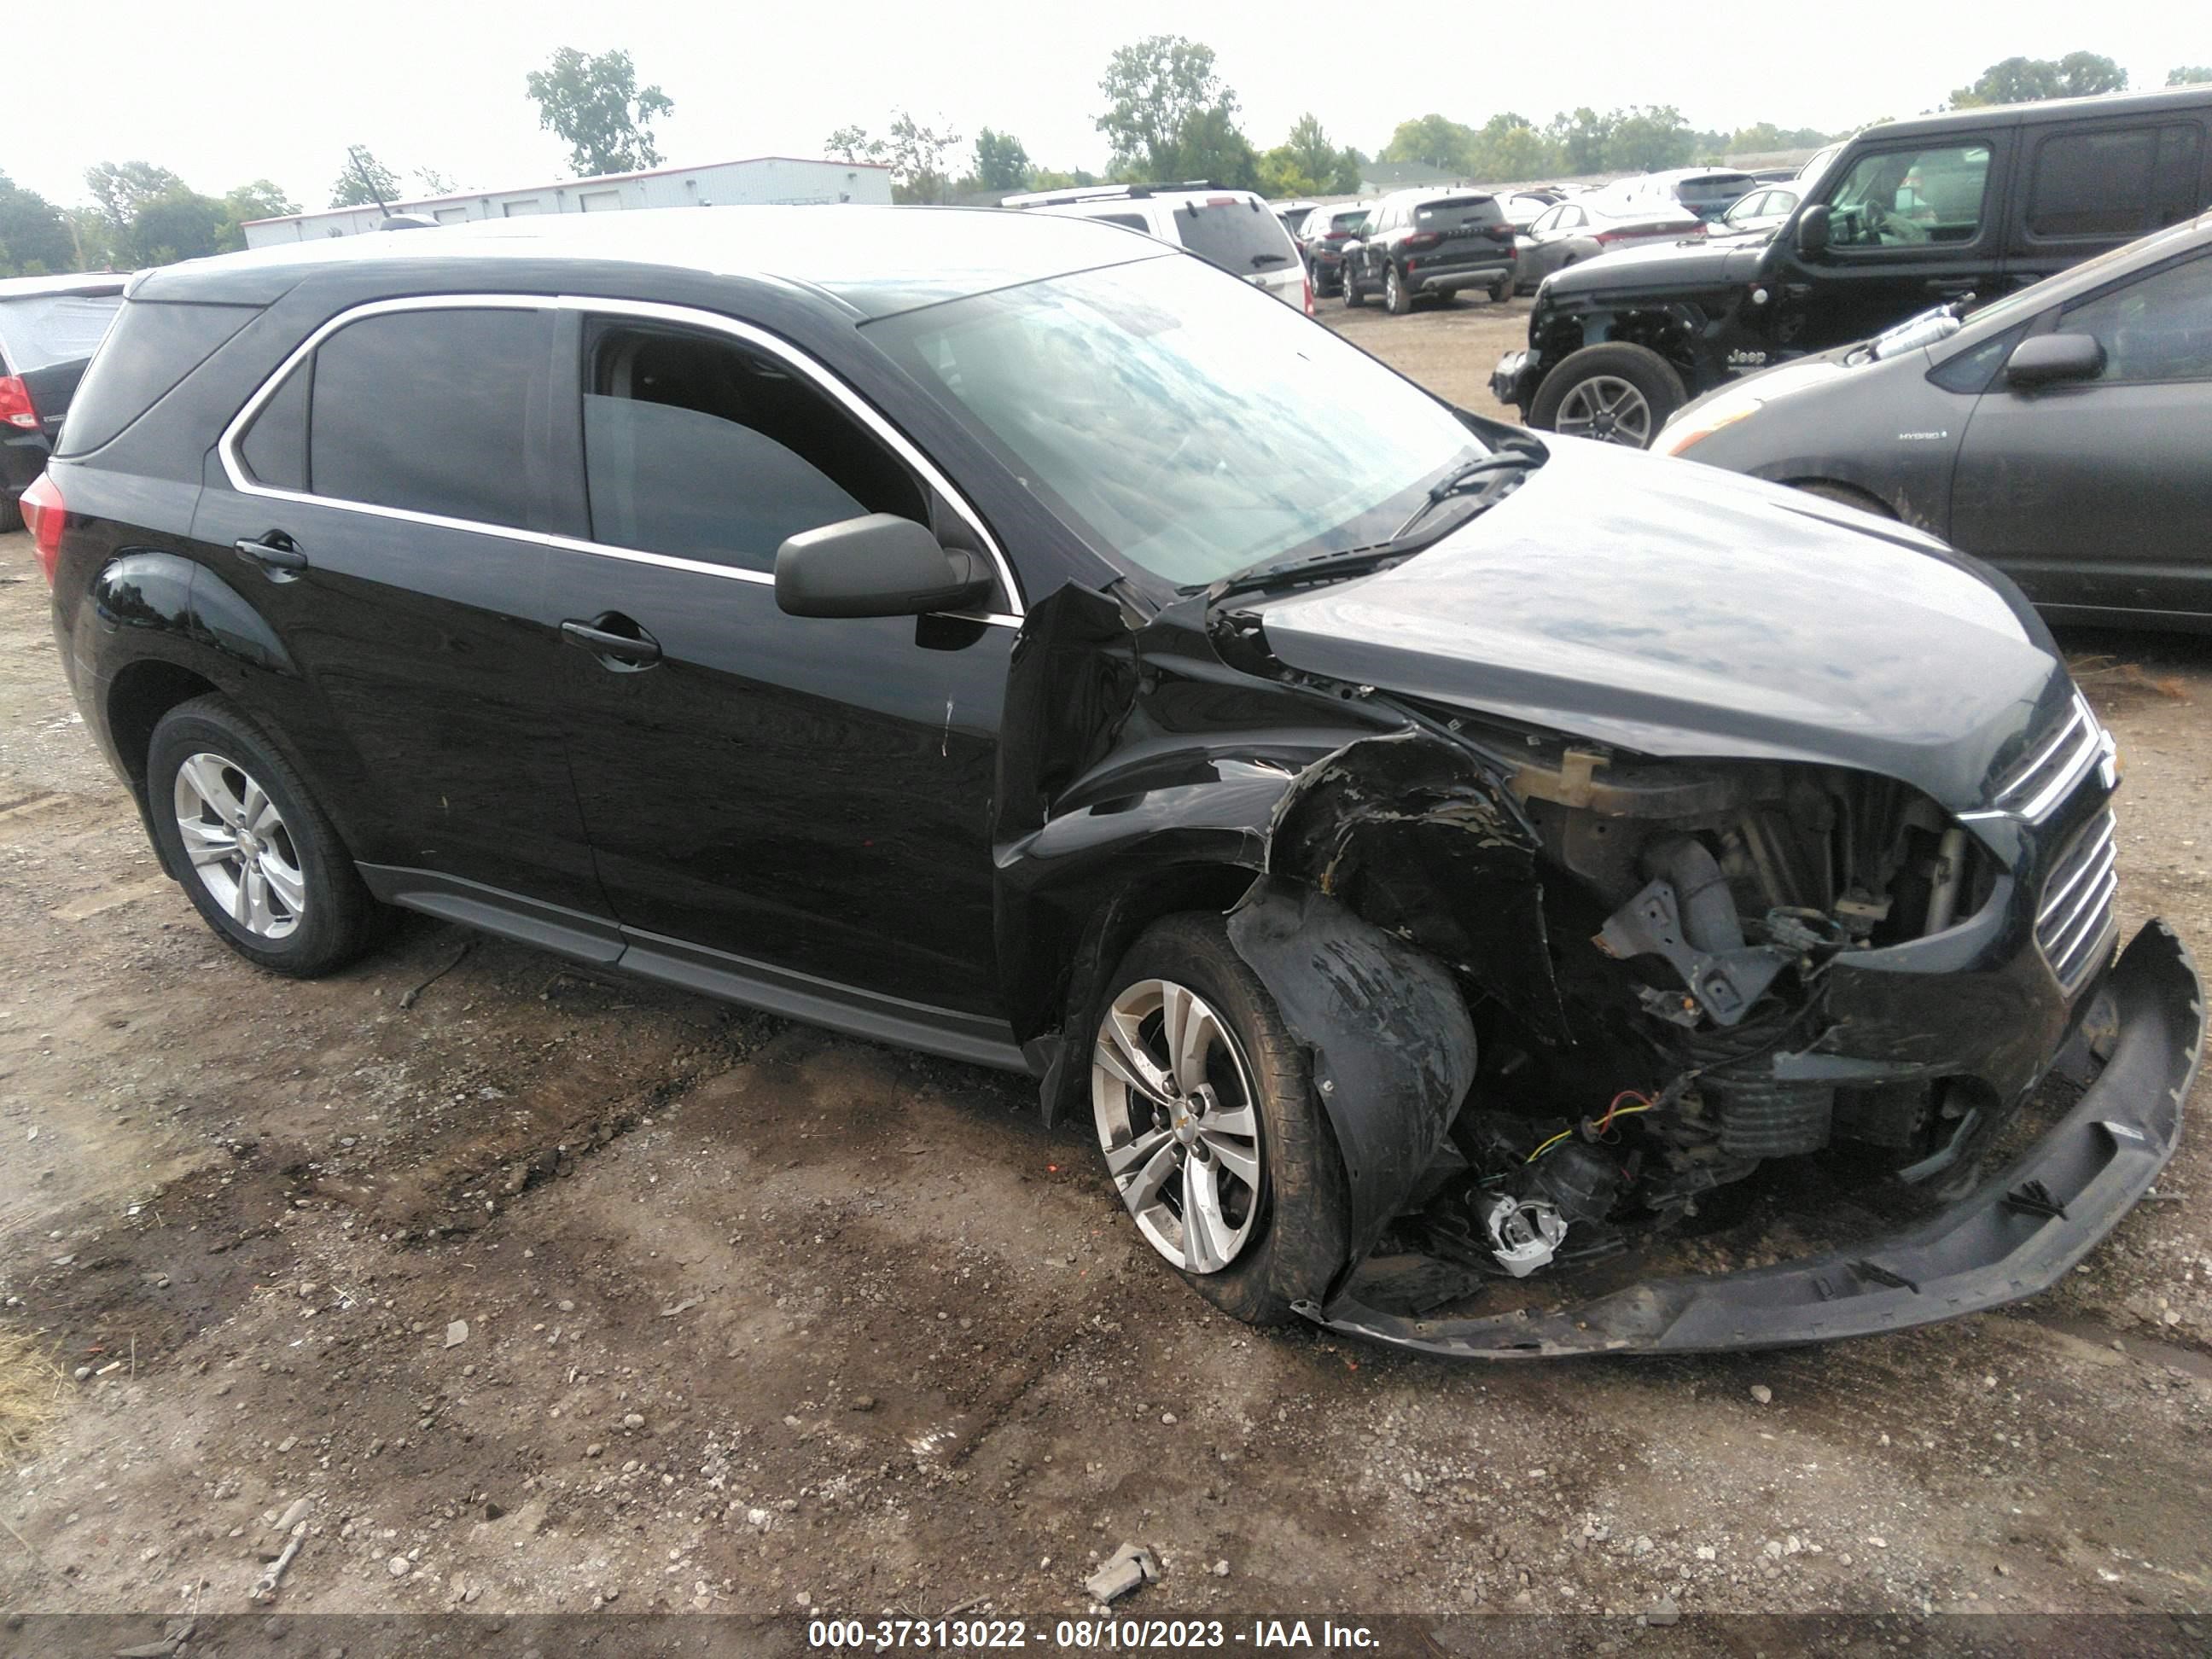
(1169, 115)
(142, 215)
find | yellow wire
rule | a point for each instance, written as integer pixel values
(1563, 1135)
(1568, 1135)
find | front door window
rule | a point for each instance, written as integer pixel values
(1911, 198)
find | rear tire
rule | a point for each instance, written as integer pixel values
(1397, 298)
(257, 858)
(11, 515)
(1615, 393)
(1498, 292)
(1284, 1234)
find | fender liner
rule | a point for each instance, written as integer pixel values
(1391, 1045)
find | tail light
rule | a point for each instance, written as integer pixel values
(1606, 238)
(44, 513)
(1500, 233)
(16, 408)
(1309, 305)
(1336, 236)
(1423, 238)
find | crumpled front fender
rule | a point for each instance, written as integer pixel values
(1392, 1047)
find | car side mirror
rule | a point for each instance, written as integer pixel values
(1813, 231)
(878, 565)
(2042, 359)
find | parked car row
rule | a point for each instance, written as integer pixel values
(1410, 838)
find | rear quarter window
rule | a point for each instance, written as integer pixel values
(149, 349)
(1238, 236)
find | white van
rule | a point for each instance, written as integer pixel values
(1232, 229)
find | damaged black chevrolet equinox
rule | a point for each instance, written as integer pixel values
(1484, 891)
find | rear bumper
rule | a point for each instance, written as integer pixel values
(1489, 274)
(1981, 1252)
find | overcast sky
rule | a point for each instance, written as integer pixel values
(223, 93)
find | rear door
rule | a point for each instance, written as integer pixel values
(782, 807)
(2097, 493)
(1912, 223)
(395, 489)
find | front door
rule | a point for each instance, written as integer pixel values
(2097, 493)
(1911, 225)
(797, 800)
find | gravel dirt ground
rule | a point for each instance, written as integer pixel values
(536, 1292)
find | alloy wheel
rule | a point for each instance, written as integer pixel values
(1179, 1122)
(239, 846)
(1609, 409)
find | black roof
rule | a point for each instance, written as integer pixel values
(2049, 109)
(877, 260)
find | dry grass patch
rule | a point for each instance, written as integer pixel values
(30, 1392)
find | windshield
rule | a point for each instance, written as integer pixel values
(41, 330)
(1187, 426)
(1236, 235)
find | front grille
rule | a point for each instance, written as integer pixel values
(2076, 922)
(2054, 765)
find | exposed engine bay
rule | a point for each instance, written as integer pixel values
(1711, 900)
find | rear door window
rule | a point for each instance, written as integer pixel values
(1236, 235)
(1133, 221)
(431, 411)
(2119, 183)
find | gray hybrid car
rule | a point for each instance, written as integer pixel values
(2063, 433)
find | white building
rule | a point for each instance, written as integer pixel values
(763, 178)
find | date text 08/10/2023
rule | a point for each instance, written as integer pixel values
(956, 1635)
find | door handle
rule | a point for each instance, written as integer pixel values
(619, 643)
(276, 553)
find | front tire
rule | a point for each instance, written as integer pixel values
(1354, 298)
(257, 858)
(1209, 1126)
(1615, 393)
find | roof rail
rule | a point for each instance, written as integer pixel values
(1104, 193)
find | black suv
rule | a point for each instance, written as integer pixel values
(1942, 210)
(49, 329)
(1430, 244)
(957, 631)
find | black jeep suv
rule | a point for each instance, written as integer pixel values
(958, 632)
(1912, 214)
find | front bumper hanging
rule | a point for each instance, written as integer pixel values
(2013, 1235)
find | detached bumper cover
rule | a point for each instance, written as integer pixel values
(1506, 380)
(2077, 1181)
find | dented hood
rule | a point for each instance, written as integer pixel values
(1679, 609)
